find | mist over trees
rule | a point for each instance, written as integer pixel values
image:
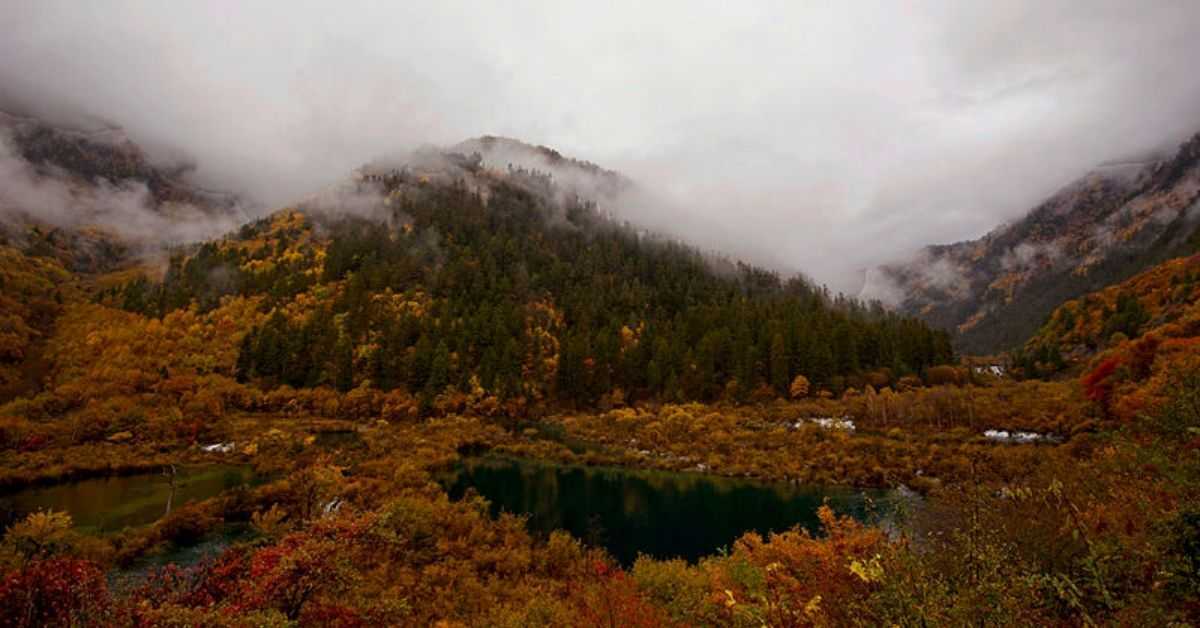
(525, 297)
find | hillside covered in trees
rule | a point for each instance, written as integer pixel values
(1163, 295)
(507, 286)
(354, 348)
(993, 293)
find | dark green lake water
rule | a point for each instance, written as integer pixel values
(108, 504)
(661, 514)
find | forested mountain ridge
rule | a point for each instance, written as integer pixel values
(569, 172)
(453, 279)
(993, 293)
(1159, 305)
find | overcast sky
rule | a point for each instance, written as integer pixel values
(819, 135)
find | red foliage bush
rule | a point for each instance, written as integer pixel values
(34, 442)
(54, 592)
(612, 598)
(1142, 354)
(1098, 384)
(201, 586)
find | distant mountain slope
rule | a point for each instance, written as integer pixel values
(107, 154)
(993, 293)
(1163, 300)
(1135, 345)
(86, 195)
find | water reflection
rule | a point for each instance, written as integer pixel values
(651, 512)
(108, 504)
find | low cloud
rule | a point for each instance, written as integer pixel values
(1028, 255)
(824, 137)
(125, 207)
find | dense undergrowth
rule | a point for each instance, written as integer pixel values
(1102, 532)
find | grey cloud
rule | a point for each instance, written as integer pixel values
(1027, 255)
(124, 208)
(824, 137)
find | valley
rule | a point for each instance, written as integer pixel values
(456, 391)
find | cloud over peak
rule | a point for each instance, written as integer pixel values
(822, 137)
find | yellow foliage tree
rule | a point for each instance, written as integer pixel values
(799, 387)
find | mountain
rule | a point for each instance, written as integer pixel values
(1161, 302)
(993, 293)
(1135, 345)
(447, 273)
(91, 196)
(487, 267)
(77, 204)
(585, 177)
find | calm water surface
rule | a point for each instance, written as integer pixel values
(108, 504)
(662, 514)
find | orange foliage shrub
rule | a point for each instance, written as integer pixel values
(805, 580)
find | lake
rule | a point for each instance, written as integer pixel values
(661, 514)
(109, 504)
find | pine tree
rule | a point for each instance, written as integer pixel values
(439, 370)
(420, 363)
(343, 362)
(245, 360)
(780, 376)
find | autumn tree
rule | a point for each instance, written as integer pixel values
(799, 387)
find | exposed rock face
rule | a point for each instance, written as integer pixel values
(993, 293)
